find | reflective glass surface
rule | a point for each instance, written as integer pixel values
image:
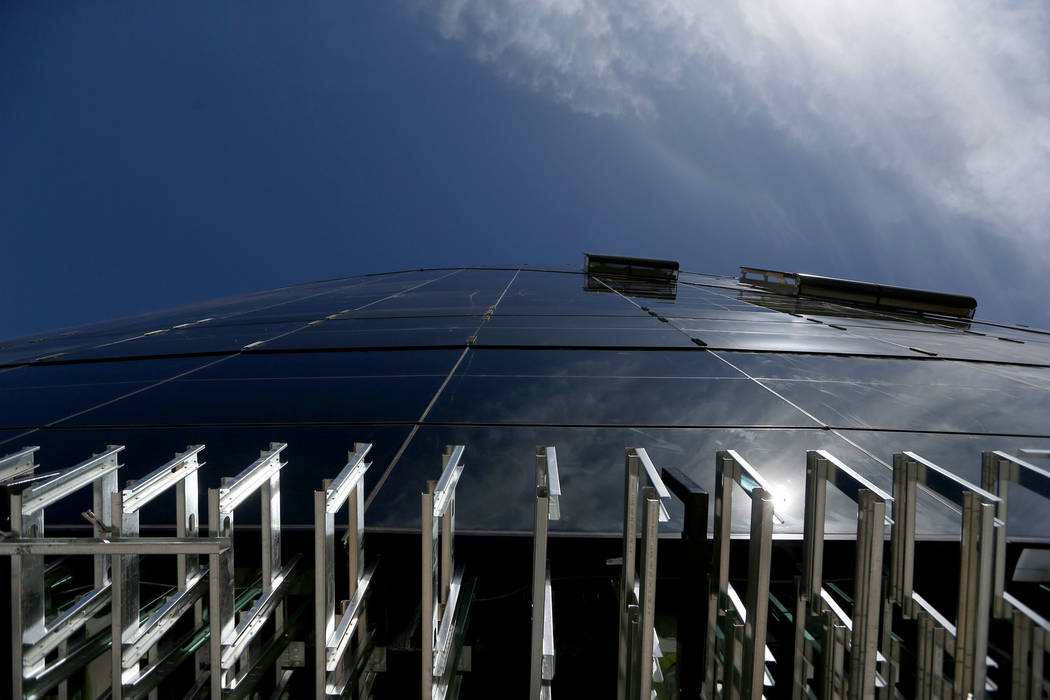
(330, 392)
(345, 297)
(900, 394)
(456, 292)
(967, 346)
(592, 388)
(497, 488)
(645, 322)
(81, 374)
(40, 395)
(381, 333)
(811, 338)
(1028, 335)
(560, 294)
(961, 454)
(318, 387)
(202, 338)
(334, 365)
(16, 352)
(608, 336)
(667, 364)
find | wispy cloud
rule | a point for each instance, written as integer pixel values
(952, 99)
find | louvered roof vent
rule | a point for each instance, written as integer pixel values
(850, 291)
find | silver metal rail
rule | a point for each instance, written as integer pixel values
(638, 648)
(998, 471)
(336, 654)
(548, 507)
(33, 637)
(232, 655)
(975, 569)
(18, 463)
(815, 607)
(133, 639)
(744, 625)
(442, 580)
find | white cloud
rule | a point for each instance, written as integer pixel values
(951, 98)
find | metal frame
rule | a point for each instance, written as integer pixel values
(334, 662)
(33, 637)
(744, 624)
(815, 603)
(548, 507)
(232, 652)
(442, 580)
(975, 572)
(998, 471)
(136, 639)
(639, 648)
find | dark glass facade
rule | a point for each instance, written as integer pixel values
(504, 360)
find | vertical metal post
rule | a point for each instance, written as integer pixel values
(324, 583)
(995, 478)
(429, 618)
(630, 529)
(971, 638)
(539, 569)
(902, 570)
(719, 588)
(220, 589)
(866, 599)
(813, 525)
(732, 671)
(760, 551)
(125, 616)
(647, 589)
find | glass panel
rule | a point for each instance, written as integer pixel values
(1038, 377)
(969, 346)
(314, 453)
(198, 339)
(748, 322)
(811, 338)
(248, 308)
(1028, 335)
(259, 401)
(346, 297)
(607, 388)
(497, 488)
(918, 324)
(868, 370)
(1029, 514)
(584, 337)
(387, 363)
(382, 332)
(667, 364)
(645, 322)
(930, 394)
(40, 395)
(82, 374)
(43, 405)
(613, 401)
(16, 352)
(917, 406)
(560, 294)
(461, 292)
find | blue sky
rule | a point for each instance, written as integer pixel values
(160, 153)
